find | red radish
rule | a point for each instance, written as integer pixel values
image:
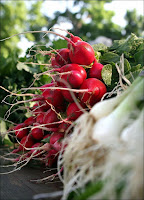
(51, 158)
(74, 39)
(51, 162)
(95, 71)
(52, 153)
(61, 108)
(29, 121)
(39, 107)
(74, 79)
(46, 136)
(37, 98)
(44, 87)
(39, 118)
(26, 142)
(56, 137)
(38, 144)
(53, 97)
(75, 76)
(73, 111)
(67, 95)
(81, 53)
(62, 57)
(44, 105)
(54, 63)
(57, 146)
(37, 133)
(55, 141)
(50, 117)
(51, 129)
(36, 109)
(96, 90)
(21, 130)
(71, 67)
(63, 127)
(46, 147)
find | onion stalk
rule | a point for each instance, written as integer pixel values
(125, 107)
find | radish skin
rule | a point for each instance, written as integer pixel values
(54, 63)
(53, 97)
(96, 90)
(95, 70)
(81, 53)
(29, 121)
(21, 130)
(62, 57)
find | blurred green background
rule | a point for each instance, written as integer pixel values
(88, 19)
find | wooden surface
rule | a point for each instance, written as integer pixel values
(17, 185)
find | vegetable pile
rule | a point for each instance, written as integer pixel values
(76, 85)
(104, 158)
(88, 119)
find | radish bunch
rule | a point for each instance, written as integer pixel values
(76, 86)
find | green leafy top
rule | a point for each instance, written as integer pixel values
(132, 51)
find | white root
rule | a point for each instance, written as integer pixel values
(79, 158)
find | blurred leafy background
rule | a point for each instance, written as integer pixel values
(89, 22)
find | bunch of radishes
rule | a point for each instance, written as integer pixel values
(76, 86)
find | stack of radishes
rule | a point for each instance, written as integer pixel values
(76, 86)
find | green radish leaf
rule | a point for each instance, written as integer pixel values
(128, 47)
(46, 79)
(127, 66)
(137, 67)
(139, 57)
(133, 75)
(110, 57)
(46, 140)
(58, 44)
(5, 141)
(21, 66)
(22, 59)
(141, 46)
(128, 44)
(97, 55)
(107, 74)
(99, 47)
(116, 44)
